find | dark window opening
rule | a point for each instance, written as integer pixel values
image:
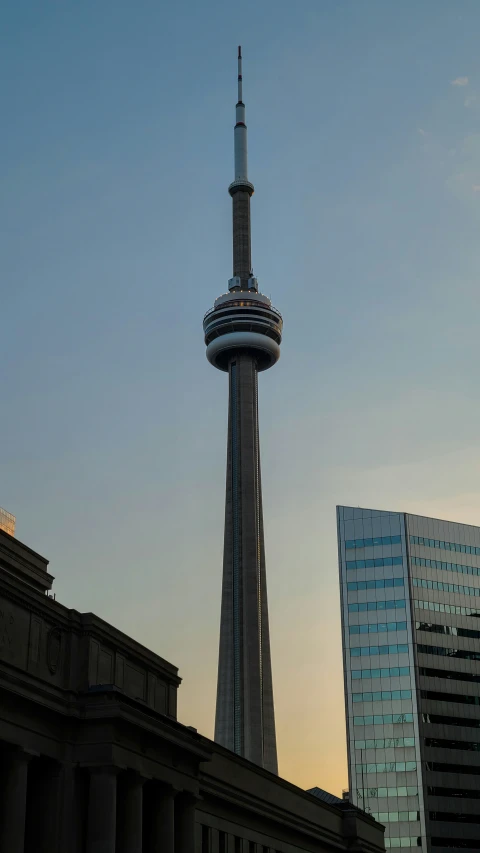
(444, 743)
(440, 767)
(447, 673)
(437, 696)
(447, 629)
(455, 817)
(443, 720)
(449, 653)
(461, 793)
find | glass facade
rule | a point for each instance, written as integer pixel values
(412, 696)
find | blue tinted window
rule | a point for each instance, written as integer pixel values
(397, 648)
(368, 543)
(380, 673)
(377, 627)
(445, 546)
(381, 696)
(353, 586)
(445, 566)
(376, 562)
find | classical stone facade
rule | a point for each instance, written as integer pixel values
(93, 759)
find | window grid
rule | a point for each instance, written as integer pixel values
(384, 743)
(445, 546)
(374, 562)
(394, 649)
(396, 817)
(377, 540)
(362, 606)
(403, 841)
(381, 695)
(382, 719)
(460, 568)
(401, 791)
(383, 583)
(386, 672)
(387, 767)
(377, 627)
(439, 607)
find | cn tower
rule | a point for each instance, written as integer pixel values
(243, 335)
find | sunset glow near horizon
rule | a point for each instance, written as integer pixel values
(115, 235)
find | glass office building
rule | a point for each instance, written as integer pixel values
(410, 600)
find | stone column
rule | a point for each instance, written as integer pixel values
(102, 810)
(185, 822)
(163, 830)
(69, 820)
(49, 802)
(131, 820)
(15, 802)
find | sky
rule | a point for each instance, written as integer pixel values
(115, 237)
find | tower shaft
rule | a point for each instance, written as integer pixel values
(245, 721)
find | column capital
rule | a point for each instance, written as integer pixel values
(103, 769)
(136, 778)
(20, 753)
(190, 798)
(167, 787)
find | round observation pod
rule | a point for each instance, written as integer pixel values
(243, 320)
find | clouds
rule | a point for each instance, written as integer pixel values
(471, 98)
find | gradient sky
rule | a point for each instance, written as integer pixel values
(115, 154)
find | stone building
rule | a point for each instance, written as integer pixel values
(93, 759)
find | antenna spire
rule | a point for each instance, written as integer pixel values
(239, 74)
(241, 190)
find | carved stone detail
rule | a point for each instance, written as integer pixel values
(54, 647)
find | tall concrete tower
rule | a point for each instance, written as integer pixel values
(243, 334)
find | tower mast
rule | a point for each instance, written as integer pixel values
(243, 333)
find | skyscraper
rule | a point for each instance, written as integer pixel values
(410, 597)
(242, 335)
(7, 522)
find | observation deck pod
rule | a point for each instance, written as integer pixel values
(243, 320)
